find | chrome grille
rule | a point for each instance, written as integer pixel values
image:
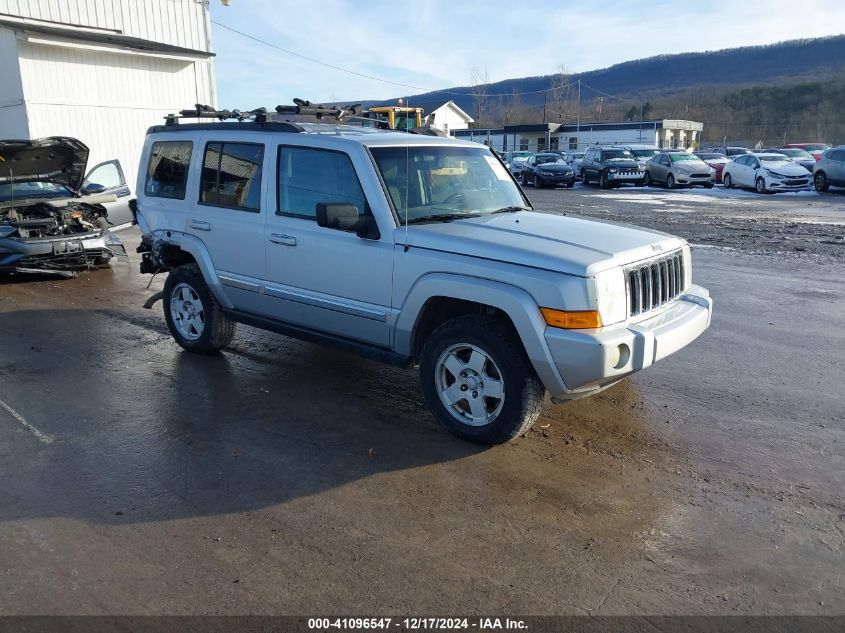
(655, 283)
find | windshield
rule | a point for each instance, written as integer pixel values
(542, 160)
(795, 153)
(613, 154)
(441, 183)
(710, 156)
(677, 158)
(816, 147)
(22, 190)
(645, 153)
(405, 120)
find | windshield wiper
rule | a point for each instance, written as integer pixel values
(442, 217)
(512, 209)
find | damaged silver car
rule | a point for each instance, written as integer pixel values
(53, 218)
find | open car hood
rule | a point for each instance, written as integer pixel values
(58, 159)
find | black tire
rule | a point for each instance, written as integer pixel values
(217, 330)
(647, 180)
(820, 182)
(584, 180)
(670, 181)
(523, 391)
(708, 185)
(760, 186)
(727, 181)
(524, 179)
(604, 183)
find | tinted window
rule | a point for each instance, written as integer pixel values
(167, 172)
(231, 175)
(311, 176)
(610, 154)
(838, 155)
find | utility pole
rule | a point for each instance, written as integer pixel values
(641, 118)
(578, 125)
(601, 103)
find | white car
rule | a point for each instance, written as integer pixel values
(766, 173)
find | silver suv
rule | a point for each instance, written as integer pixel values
(412, 250)
(830, 169)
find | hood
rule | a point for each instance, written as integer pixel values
(541, 240)
(622, 163)
(555, 167)
(785, 168)
(58, 159)
(692, 167)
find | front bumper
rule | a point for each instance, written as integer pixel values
(557, 179)
(628, 175)
(690, 180)
(589, 360)
(789, 184)
(66, 252)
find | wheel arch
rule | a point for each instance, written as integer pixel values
(438, 296)
(182, 248)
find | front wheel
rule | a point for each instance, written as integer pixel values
(820, 182)
(604, 183)
(478, 382)
(647, 180)
(727, 181)
(760, 186)
(670, 181)
(584, 180)
(193, 315)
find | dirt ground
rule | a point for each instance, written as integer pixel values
(284, 478)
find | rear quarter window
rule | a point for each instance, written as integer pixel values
(167, 171)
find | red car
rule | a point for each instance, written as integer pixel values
(816, 149)
(715, 161)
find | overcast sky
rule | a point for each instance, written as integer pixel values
(434, 44)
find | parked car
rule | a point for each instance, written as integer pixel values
(290, 229)
(715, 161)
(643, 153)
(815, 149)
(795, 154)
(830, 169)
(730, 150)
(574, 161)
(516, 162)
(766, 173)
(679, 169)
(610, 167)
(53, 217)
(547, 170)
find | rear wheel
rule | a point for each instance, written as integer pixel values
(478, 381)
(727, 181)
(820, 182)
(193, 316)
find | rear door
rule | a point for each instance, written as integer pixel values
(837, 166)
(108, 178)
(224, 211)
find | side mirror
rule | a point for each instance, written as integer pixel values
(343, 216)
(92, 187)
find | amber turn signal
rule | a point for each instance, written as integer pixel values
(578, 320)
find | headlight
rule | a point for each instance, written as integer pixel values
(611, 297)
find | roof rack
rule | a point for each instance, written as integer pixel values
(199, 111)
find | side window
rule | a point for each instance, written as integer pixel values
(109, 175)
(231, 175)
(752, 162)
(310, 176)
(167, 171)
(838, 155)
(741, 160)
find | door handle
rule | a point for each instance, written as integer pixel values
(284, 240)
(199, 225)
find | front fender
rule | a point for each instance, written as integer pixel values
(195, 246)
(515, 302)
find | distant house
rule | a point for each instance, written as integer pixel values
(535, 137)
(444, 116)
(102, 71)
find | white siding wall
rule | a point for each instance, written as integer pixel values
(446, 116)
(177, 22)
(107, 100)
(13, 122)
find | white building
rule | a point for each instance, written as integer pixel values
(102, 71)
(445, 116)
(536, 137)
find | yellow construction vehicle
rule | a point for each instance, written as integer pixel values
(396, 117)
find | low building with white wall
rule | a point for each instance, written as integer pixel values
(536, 137)
(447, 116)
(102, 71)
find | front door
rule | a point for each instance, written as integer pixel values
(108, 178)
(321, 278)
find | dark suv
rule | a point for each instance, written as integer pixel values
(547, 169)
(611, 167)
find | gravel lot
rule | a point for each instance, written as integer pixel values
(284, 478)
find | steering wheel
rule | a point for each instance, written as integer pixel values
(455, 197)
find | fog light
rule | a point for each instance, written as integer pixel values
(621, 355)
